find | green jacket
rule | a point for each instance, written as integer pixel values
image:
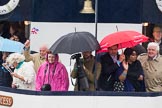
(91, 76)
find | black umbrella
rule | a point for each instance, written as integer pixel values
(75, 42)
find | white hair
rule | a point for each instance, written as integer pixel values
(15, 57)
(153, 44)
(44, 46)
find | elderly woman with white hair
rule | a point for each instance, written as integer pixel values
(24, 74)
(151, 63)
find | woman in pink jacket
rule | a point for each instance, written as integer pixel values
(52, 75)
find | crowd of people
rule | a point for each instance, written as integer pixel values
(133, 70)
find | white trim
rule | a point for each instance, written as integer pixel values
(10, 6)
(15, 100)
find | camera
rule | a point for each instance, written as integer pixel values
(82, 78)
(76, 56)
(46, 87)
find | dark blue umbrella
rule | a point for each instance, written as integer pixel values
(75, 42)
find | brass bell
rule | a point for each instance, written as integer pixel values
(87, 9)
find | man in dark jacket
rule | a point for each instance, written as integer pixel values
(110, 62)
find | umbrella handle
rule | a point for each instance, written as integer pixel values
(117, 28)
(122, 48)
(75, 29)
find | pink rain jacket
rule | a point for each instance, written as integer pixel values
(54, 74)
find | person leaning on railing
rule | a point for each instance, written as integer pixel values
(130, 72)
(151, 63)
(52, 75)
(23, 74)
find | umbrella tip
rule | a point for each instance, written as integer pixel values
(117, 28)
(75, 29)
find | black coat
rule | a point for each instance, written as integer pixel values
(107, 76)
(134, 71)
(5, 77)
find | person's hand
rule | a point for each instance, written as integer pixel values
(12, 38)
(27, 44)
(125, 65)
(15, 74)
(121, 57)
(84, 67)
(140, 77)
(14, 86)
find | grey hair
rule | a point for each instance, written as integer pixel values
(15, 57)
(154, 44)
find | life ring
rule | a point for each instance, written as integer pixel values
(10, 6)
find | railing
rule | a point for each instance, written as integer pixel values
(72, 99)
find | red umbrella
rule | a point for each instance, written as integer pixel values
(125, 39)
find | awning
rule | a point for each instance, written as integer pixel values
(109, 11)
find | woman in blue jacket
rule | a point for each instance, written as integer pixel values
(130, 72)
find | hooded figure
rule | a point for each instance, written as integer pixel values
(52, 75)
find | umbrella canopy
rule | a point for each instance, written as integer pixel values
(125, 39)
(75, 42)
(8, 45)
